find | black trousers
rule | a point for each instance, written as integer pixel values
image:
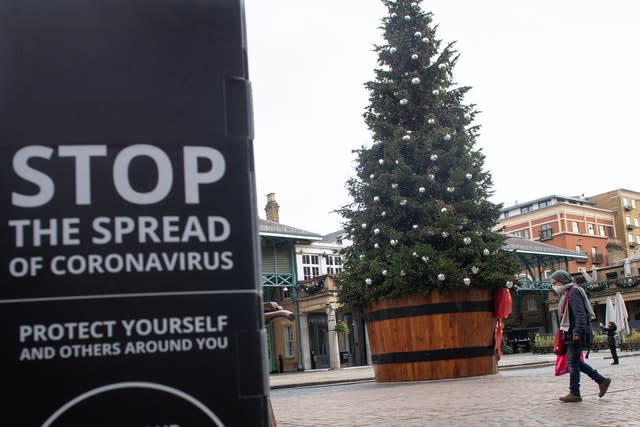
(614, 354)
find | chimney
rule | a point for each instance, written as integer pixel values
(273, 208)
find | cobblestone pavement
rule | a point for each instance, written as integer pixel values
(513, 397)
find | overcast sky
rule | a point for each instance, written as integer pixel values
(557, 81)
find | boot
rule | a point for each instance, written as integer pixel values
(571, 398)
(604, 386)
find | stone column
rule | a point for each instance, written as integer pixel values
(332, 340)
(304, 342)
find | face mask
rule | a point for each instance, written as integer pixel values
(557, 288)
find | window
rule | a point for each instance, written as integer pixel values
(601, 229)
(575, 227)
(525, 233)
(596, 258)
(633, 203)
(546, 232)
(334, 264)
(628, 219)
(610, 231)
(578, 248)
(526, 209)
(310, 266)
(630, 237)
(635, 221)
(531, 304)
(625, 202)
(517, 234)
(638, 239)
(590, 229)
(288, 341)
(543, 204)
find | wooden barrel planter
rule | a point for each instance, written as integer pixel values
(442, 335)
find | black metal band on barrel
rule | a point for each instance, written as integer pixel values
(428, 309)
(432, 355)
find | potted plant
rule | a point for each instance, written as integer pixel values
(341, 326)
(420, 222)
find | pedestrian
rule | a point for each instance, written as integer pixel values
(611, 338)
(575, 322)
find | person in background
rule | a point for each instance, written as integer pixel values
(611, 338)
(576, 324)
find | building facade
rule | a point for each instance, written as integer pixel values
(625, 205)
(575, 224)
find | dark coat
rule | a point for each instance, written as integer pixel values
(611, 333)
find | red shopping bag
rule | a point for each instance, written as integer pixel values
(561, 363)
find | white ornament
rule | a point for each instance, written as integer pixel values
(425, 40)
(406, 138)
(415, 226)
(467, 116)
(467, 281)
(425, 258)
(475, 269)
(404, 101)
(407, 18)
(415, 81)
(441, 277)
(376, 199)
(431, 176)
(403, 202)
(393, 15)
(435, 92)
(384, 272)
(442, 66)
(372, 176)
(377, 246)
(478, 233)
(447, 137)
(431, 121)
(393, 50)
(393, 242)
(485, 252)
(381, 161)
(417, 34)
(383, 214)
(434, 157)
(364, 226)
(397, 162)
(368, 281)
(509, 284)
(445, 234)
(394, 185)
(414, 56)
(422, 189)
(415, 254)
(362, 256)
(451, 189)
(469, 176)
(402, 273)
(376, 231)
(443, 210)
(467, 241)
(414, 4)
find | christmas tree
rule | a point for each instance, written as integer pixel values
(420, 217)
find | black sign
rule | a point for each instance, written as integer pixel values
(129, 289)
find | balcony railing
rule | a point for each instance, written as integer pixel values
(596, 258)
(627, 208)
(630, 226)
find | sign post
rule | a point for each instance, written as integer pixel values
(129, 289)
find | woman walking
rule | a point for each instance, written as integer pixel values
(575, 321)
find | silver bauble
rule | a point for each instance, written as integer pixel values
(486, 252)
(425, 39)
(403, 202)
(377, 246)
(467, 116)
(415, 226)
(394, 185)
(404, 101)
(376, 199)
(442, 66)
(381, 161)
(402, 273)
(362, 256)
(417, 34)
(384, 272)
(415, 81)
(451, 189)
(407, 18)
(443, 210)
(414, 57)
(364, 225)
(393, 242)
(376, 231)
(475, 269)
(406, 138)
(441, 277)
(466, 281)
(431, 176)
(367, 281)
(467, 241)
(372, 176)
(469, 176)
(383, 214)
(425, 258)
(435, 92)
(445, 234)
(434, 157)
(422, 189)
(447, 137)
(393, 50)
(431, 121)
